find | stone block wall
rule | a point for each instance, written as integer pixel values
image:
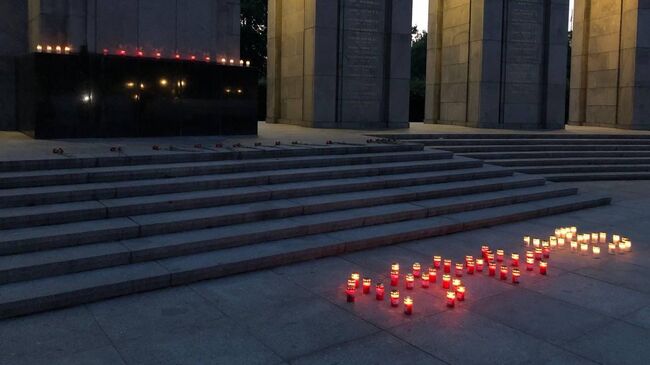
(13, 41)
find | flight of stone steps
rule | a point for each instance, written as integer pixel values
(74, 231)
(558, 157)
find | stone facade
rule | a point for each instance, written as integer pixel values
(610, 63)
(13, 38)
(339, 64)
(497, 63)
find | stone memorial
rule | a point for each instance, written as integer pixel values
(497, 64)
(610, 64)
(339, 64)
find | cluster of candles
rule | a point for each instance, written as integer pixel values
(58, 49)
(585, 244)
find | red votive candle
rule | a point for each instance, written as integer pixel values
(433, 275)
(410, 281)
(417, 269)
(451, 298)
(394, 266)
(538, 253)
(514, 259)
(424, 280)
(526, 241)
(504, 272)
(500, 255)
(455, 282)
(394, 298)
(515, 275)
(484, 250)
(594, 238)
(356, 277)
(470, 267)
(446, 281)
(468, 258)
(490, 257)
(530, 255)
(366, 285)
(460, 293)
(479, 265)
(546, 250)
(379, 291)
(408, 305)
(602, 237)
(530, 263)
(459, 270)
(492, 269)
(543, 267)
(447, 266)
(436, 261)
(349, 291)
(394, 278)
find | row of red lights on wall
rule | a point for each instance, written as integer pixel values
(140, 53)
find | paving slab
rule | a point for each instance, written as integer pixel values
(617, 343)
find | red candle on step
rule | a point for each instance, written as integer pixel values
(460, 293)
(500, 255)
(514, 258)
(447, 266)
(436, 261)
(479, 265)
(424, 280)
(543, 267)
(408, 305)
(470, 267)
(433, 275)
(459, 270)
(394, 278)
(379, 291)
(394, 298)
(530, 263)
(538, 253)
(356, 277)
(484, 251)
(515, 276)
(350, 290)
(504, 272)
(490, 257)
(492, 269)
(366, 285)
(446, 281)
(410, 281)
(417, 271)
(451, 298)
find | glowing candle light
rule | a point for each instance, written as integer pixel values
(561, 243)
(105, 51)
(122, 52)
(394, 278)
(207, 58)
(530, 262)
(621, 246)
(366, 285)
(48, 49)
(574, 246)
(248, 63)
(224, 61)
(611, 248)
(58, 49)
(526, 241)
(584, 248)
(546, 250)
(602, 237)
(484, 250)
(515, 276)
(536, 242)
(595, 250)
(529, 254)
(417, 270)
(490, 257)
(241, 62)
(538, 253)
(543, 267)
(158, 55)
(433, 275)
(500, 255)
(569, 236)
(594, 238)
(470, 267)
(232, 62)
(39, 48)
(553, 242)
(350, 290)
(451, 298)
(616, 238)
(460, 293)
(379, 291)
(479, 265)
(355, 276)
(446, 281)
(514, 258)
(139, 53)
(394, 298)
(410, 281)
(504, 272)
(394, 266)
(628, 244)
(573, 229)
(459, 270)
(492, 269)
(408, 305)
(424, 280)
(67, 49)
(456, 283)
(558, 232)
(436, 261)
(468, 258)
(447, 266)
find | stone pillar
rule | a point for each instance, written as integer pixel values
(339, 63)
(610, 82)
(13, 41)
(497, 63)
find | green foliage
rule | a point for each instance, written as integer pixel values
(418, 75)
(253, 33)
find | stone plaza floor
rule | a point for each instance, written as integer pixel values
(585, 311)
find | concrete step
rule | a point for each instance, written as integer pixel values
(159, 171)
(489, 156)
(27, 266)
(31, 216)
(72, 289)
(572, 161)
(122, 189)
(502, 135)
(572, 169)
(441, 143)
(219, 154)
(70, 234)
(464, 149)
(598, 176)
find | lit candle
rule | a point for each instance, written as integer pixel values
(616, 238)
(436, 261)
(394, 266)
(584, 248)
(408, 305)
(394, 278)
(574, 246)
(536, 242)
(490, 257)
(451, 298)
(248, 63)
(355, 276)
(48, 49)
(602, 237)
(468, 258)
(350, 290)
(241, 62)
(470, 267)
(558, 232)
(417, 271)
(425, 280)
(232, 62)
(484, 250)
(433, 275)
(447, 266)
(527, 241)
(569, 236)
(500, 255)
(492, 269)
(410, 281)
(529, 254)
(595, 251)
(515, 259)
(628, 243)
(611, 248)
(479, 265)
(538, 253)
(366, 285)
(459, 270)
(543, 267)
(560, 243)
(223, 60)
(553, 241)
(515, 276)
(546, 250)
(460, 293)
(394, 298)
(446, 281)
(39, 48)
(379, 291)
(57, 49)
(504, 272)
(456, 283)
(621, 246)
(530, 262)
(573, 229)
(594, 238)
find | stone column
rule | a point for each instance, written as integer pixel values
(610, 85)
(13, 41)
(339, 63)
(497, 63)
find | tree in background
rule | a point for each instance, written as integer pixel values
(418, 75)
(253, 43)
